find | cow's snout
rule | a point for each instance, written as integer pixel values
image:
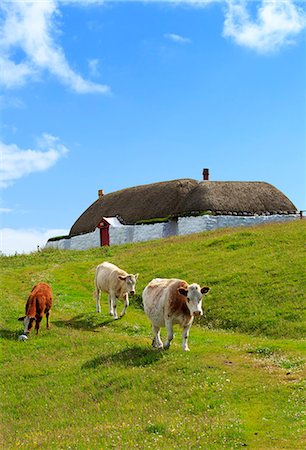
(197, 313)
(132, 292)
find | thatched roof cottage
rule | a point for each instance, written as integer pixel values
(181, 203)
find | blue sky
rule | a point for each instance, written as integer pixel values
(107, 95)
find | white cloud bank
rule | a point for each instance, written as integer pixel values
(278, 23)
(30, 26)
(25, 240)
(17, 163)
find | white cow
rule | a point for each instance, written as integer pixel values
(117, 283)
(170, 301)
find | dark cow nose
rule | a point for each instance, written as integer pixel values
(132, 292)
(197, 313)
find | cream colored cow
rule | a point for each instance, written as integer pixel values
(117, 283)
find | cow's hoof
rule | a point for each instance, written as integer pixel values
(158, 346)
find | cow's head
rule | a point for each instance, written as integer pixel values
(194, 295)
(130, 282)
(27, 322)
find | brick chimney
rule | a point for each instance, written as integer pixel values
(205, 174)
(100, 193)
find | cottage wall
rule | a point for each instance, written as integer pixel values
(62, 244)
(121, 235)
(189, 225)
(85, 241)
(185, 225)
(148, 232)
(81, 242)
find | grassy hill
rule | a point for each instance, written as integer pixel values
(95, 383)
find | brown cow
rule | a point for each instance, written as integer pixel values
(170, 301)
(38, 304)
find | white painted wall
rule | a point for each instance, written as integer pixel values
(189, 225)
(148, 232)
(185, 225)
(121, 235)
(81, 242)
(85, 241)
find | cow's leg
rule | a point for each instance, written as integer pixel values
(47, 318)
(185, 335)
(37, 325)
(98, 295)
(169, 334)
(126, 304)
(113, 305)
(157, 342)
(110, 305)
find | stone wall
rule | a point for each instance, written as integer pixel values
(185, 225)
(121, 235)
(189, 225)
(81, 242)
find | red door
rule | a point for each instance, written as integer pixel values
(104, 233)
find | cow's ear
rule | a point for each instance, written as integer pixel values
(204, 289)
(136, 276)
(121, 277)
(21, 318)
(183, 291)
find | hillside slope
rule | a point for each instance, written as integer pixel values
(93, 382)
(256, 275)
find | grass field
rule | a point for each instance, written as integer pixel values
(94, 383)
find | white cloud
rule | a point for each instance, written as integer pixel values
(7, 101)
(93, 65)
(17, 163)
(5, 210)
(14, 75)
(26, 240)
(177, 38)
(30, 26)
(278, 22)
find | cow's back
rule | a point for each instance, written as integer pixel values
(42, 289)
(107, 276)
(39, 299)
(158, 297)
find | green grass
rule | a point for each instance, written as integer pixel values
(95, 383)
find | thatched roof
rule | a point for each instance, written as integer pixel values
(184, 197)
